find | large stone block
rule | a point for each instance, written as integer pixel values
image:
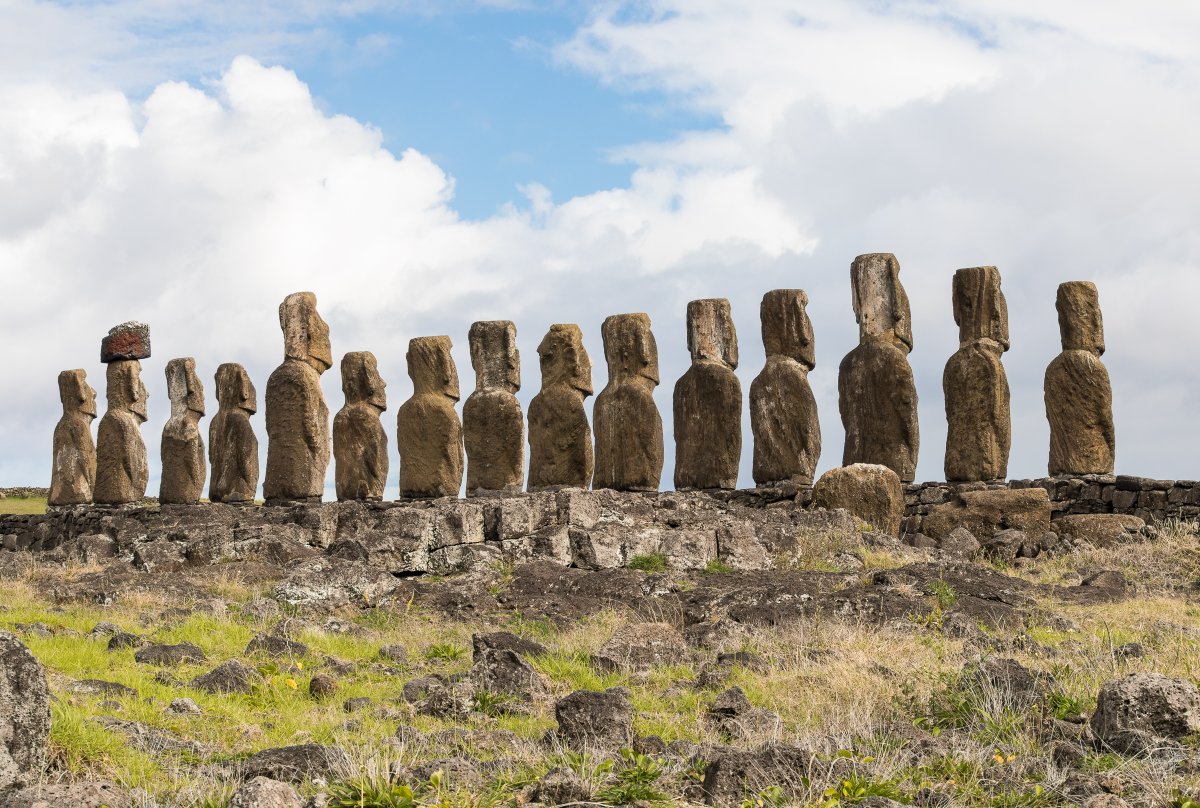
(986, 513)
(872, 493)
(24, 715)
(129, 340)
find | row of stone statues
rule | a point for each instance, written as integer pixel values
(877, 400)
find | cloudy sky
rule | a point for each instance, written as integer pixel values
(420, 165)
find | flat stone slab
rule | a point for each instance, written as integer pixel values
(129, 340)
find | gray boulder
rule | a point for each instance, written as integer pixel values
(24, 714)
(263, 792)
(588, 719)
(641, 647)
(1141, 711)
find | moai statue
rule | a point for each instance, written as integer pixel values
(122, 467)
(783, 409)
(430, 435)
(560, 440)
(182, 446)
(232, 445)
(979, 421)
(493, 423)
(708, 401)
(629, 432)
(1078, 391)
(877, 395)
(73, 475)
(360, 450)
(297, 417)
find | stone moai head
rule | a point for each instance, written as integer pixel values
(361, 382)
(494, 355)
(431, 367)
(880, 302)
(76, 394)
(234, 388)
(564, 360)
(305, 334)
(125, 388)
(629, 347)
(980, 309)
(1079, 320)
(786, 328)
(711, 334)
(184, 387)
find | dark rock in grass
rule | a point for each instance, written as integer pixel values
(91, 687)
(641, 647)
(123, 639)
(148, 739)
(504, 640)
(1141, 711)
(1009, 683)
(737, 719)
(229, 677)
(24, 714)
(394, 653)
(263, 792)
(503, 671)
(560, 787)
(322, 686)
(418, 689)
(734, 773)
(275, 646)
(357, 704)
(170, 654)
(588, 719)
(457, 773)
(90, 794)
(295, 764)
(184, 706)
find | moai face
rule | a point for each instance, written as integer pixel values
(1079, 319)
(880, 302)
(630, 348)
(786, 328)
(234, 388)
(980, 309)
(305, 334)
(125, 388)
(711, 334)
(564, 360)
(361, 382)
(431, 367)
(184, 387)
(76, 394)
(494, 355)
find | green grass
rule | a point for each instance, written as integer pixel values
(22, 505)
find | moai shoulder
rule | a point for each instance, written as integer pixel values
(232, 444)
(73, 473)
(560, 438)
(360, 446)
(493, 423)
(629, 432)
(708, 401)
(182, 449)
(429, 431)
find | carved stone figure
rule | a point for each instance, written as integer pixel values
(122, 467)
(979, 433)
(1078, 390)
(560, 440)
(493, 423)
(73, 475)
(232, 445)
(297, 417)
(629, 432)
(182, 450)
(783, 409)
(708, 401)
(430, 433)
(360, 445)
(877, 394)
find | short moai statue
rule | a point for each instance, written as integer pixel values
(1078, 390)
(182, 450)
(783, 409)
(979, 421)
(560, 439)
(297, 416)
(708, 401)
(877, 395)
(122, 467)
(73, 475)
(232, 444)
(629, 431)
(360, 444)
(430, 435)
(493, 422)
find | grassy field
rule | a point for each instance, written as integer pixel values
(22, 505)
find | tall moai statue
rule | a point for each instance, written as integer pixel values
(629, 432)
(297, 417)
(493, 423)
(979, 421)
(430, 434)
(560, 440)
(182, 450)
(877, 395)
(708, 401)
(232, 445)
(1078, 391)
(360, 444)
(73, 475)
(783, 409)
(122, 466)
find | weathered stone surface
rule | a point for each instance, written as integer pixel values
(129, 340)
(24, 714)
(708, 401)
(182, 449)
(872, 493)
(169, 654)
(504, 671)
(734, 773)
(295, 764)
(592, 720)
(429, 432)
(560, 440)
(978, 416)
(122, 467)
(986, 513)
(360, 449)
(73, 474)
(877, 395)
(1100, 529)
(263, 792)
(629, 432)
(783, 410)
(297, 416)
(228, 677)
(85, 794)
(641, 647)
(232, 444)
(1138, 712)
(493, 423)
(1077, 388)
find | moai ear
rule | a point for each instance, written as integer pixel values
(901, 311)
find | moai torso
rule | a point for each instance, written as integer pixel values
(429, 431)
(232, 444)
(708, 401)
(629, 432)
(73, 474)
(783, 409)
(560, 440)
(360, 450)
(182, 449)
(122, 467)
(493, 423)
